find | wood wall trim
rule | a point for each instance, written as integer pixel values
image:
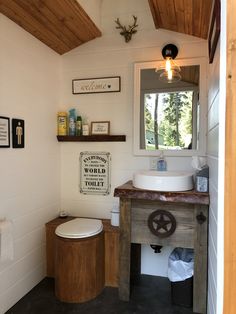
(230, 166)
(60, 24)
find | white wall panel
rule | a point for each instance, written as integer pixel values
(29, 185)
(213, 141)
(215, 250)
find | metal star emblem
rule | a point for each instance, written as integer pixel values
(161, 223)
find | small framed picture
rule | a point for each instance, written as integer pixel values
(100, 128)
(4, 132)
(18, 133)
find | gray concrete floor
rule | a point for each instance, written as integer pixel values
(149, 295)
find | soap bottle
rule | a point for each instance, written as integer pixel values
(161, 163)
(85, 127)
(72, 122)
(202, 179)
(79, 126)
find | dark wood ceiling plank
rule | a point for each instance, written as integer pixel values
(206, 17)
(190, 74)
(168, 14)
(14, 12)
(191, 17)
(90, 26)
(60, 24)
(31, 8)
(180, 15)
(202, 9)
(50, 14)
(197, 9)
(56, 25)
(79, 24)
(188, 17)
(153, 4)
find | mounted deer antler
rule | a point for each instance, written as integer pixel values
(127, 33)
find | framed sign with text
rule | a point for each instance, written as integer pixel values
(100, 127)
(4, 132)
(96, 85)
(95, 173)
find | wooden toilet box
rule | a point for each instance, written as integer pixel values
(79, 268)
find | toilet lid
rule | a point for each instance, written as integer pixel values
(79, 228)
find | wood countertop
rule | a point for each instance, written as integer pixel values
(127, 190)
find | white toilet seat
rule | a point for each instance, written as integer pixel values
(79, 228)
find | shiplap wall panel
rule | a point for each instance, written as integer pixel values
(212, 158)
(29, 185)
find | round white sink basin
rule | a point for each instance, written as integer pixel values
(166, 181)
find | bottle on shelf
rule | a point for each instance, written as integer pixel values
(79, 126)
(62, 123)
(85, 127)
(72, 122)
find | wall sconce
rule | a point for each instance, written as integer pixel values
(171, 71)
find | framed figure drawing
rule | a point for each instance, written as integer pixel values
(18, 133)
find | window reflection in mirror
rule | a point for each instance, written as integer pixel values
(169, 113)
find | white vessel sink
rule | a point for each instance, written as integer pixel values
(167, 181)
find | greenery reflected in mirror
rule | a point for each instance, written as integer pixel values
(169, 113)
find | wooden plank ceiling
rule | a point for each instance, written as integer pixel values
(60, 24)
(64, 25)
(191, 17)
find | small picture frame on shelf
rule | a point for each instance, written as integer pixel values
(100, 127)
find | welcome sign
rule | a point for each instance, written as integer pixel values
(95, 173)
(96, 85)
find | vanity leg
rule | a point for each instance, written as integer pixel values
(200, 259)
(125, 247)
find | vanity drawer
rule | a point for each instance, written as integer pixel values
(184, 216)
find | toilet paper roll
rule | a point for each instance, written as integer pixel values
(115, 219)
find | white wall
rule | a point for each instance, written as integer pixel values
(29, 177)
(212, 157)
(216, 161)
(215, 157)
(111, 56)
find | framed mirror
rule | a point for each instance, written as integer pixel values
(170, 116)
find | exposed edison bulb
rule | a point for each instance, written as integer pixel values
(170, 75)
(168, 64)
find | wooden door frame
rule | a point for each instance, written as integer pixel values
(230, 165)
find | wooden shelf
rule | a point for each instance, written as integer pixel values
(92, 138)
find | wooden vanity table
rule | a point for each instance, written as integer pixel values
(189, 211)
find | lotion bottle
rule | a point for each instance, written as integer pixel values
(161, 163)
